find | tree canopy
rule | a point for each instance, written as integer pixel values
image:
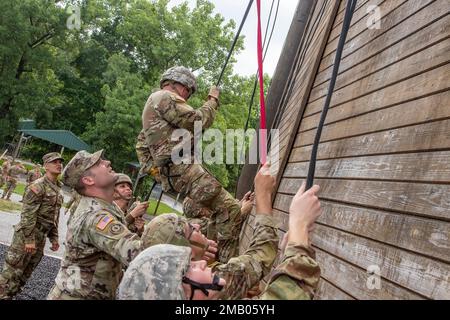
(94, 78)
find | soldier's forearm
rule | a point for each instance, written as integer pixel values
(209, 110)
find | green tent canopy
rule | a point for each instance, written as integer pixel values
(64, 138)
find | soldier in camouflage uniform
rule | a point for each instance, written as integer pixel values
(166, 111)
(132, 212)
(2, 178)
(98, 244)
(11, 179)
(202, 216)
(39, 220)
(4, 172)
(168, 272)
(32, 175)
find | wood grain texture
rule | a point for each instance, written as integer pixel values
(422, 275)
(427, 200)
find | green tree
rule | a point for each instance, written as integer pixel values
(115, 129)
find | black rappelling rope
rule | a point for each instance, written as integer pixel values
(337, 60)
(236, 37)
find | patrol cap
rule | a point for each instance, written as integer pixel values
(156, 274)
(122, 177)
(52, 156)
(80, 162)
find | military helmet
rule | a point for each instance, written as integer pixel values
(123, 178)
(156, 274)
(165, 228)
(181, 75)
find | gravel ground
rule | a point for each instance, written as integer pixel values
(42, 279)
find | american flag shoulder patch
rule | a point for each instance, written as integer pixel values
(104, 222)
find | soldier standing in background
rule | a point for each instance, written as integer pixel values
(32, 175)
(38, 221)
(11, 179)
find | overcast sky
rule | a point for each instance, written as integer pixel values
(234, 9)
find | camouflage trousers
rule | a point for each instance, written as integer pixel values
(9, 188)
(19, 265)
(2, 180)
(224, 217)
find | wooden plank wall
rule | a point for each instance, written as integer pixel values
(384, 158)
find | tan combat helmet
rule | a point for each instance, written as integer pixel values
(123, 178)
(181, 75)
(166, 228)
(156, 274)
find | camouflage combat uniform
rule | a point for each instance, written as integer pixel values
(165, 112)
(98, 244)
(11, 180)
(128, 219)
(39, 220)
(211, 225)
(73, 203)
(2, 178)
(32, 175)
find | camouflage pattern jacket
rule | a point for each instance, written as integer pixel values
(165, 112)
(13, 173)
(4, 169)
(40, 212)
(33, 175)
(98, 244)
(295, 278)
(247, 270)
(126, 218)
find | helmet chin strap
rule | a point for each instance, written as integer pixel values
(204, 287)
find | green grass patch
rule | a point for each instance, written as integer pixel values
(20, 189)
(163, 208)
(9, 206)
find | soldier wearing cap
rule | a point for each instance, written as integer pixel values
(132, 212)
(166, 271)
(166, 111)
(97, 243)
(39, 220)
(32, 175)
(12, 175)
